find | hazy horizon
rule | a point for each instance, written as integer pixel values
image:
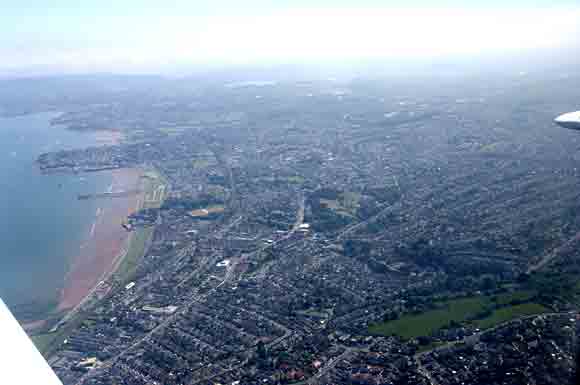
(179, 37)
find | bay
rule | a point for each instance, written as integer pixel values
(42, 224)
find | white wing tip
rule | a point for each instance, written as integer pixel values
(21, 362)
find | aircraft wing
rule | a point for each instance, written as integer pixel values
(20, 361)
(570, 120)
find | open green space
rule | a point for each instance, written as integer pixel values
(510, 298)
(346, 203)
(200, 163)
(508, 313)
(154, 196)
(424, 324)
(47, 343)
(482, 311)
(575, 290)
(43, 341)
(296, 179)
(137, 246)
(172, 131)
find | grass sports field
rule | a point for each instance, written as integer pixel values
(464, 310)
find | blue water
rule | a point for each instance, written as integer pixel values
(42, 224)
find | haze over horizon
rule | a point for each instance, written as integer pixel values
(291, 191)
(149, 36)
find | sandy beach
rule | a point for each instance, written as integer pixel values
(105, 241)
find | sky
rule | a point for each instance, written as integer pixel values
(153, 36)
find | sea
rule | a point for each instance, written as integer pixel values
(42, 223)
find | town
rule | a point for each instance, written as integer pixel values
(335, 232)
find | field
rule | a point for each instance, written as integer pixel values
(47, 343)
(172, 131)
(465, 310)
(155, 190)
(137, 245)
(507, 313)
(425, 324)
(347, 203)
(43, 341)
(295, 179)
(506, 299)
(200, 163)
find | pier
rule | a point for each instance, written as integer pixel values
(112, 194)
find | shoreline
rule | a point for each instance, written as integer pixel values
(99, 256)
(106, 244)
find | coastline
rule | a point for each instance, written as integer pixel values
(108, 254)
(106, 241)
(105, 245)
(117, 262)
